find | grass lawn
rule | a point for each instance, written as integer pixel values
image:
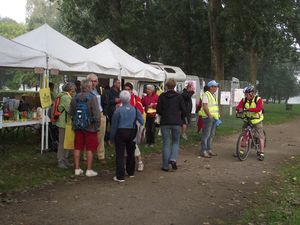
(23, 167)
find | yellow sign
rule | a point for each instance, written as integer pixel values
(45, 97)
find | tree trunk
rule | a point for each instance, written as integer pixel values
(216, 45)
(253, 66)
(186, 39)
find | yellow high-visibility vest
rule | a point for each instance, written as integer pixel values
(213, 106)
(259, 115)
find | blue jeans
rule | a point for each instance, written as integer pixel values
(170, 154)
(208, 133)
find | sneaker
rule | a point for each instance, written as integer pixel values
(261, 156)
(211, 153)
(91, 173)
(205, 154)
(131, 176)
(163, 169)
(118, 180)
(78, 172)
(173, 164)
(184, 136)
(140, 166)
(62, 165)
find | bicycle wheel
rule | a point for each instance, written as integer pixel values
(242, 148)
(265, 142)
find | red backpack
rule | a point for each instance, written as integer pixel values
(54, 110)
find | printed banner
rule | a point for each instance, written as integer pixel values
(45, 97)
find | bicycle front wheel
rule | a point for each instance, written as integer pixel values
(242, 147)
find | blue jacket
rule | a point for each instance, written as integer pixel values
(125, 117)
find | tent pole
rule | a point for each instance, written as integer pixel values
(47, 109)
(43, 114)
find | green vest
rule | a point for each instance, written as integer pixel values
(259, 115)
(213, 107)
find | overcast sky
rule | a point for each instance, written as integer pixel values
(14, 9)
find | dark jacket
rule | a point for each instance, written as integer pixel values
(112, 94)
(187, 97)
(171, 108)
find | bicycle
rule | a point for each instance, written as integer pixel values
(248, 140)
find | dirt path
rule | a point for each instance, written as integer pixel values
(201, 190)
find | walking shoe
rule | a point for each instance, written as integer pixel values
(211, 153)
(61, 164)
(205, 154)
(140, 166)
(173, 164)
(118, 180)
(131, 176)
(163, 169)
(184, 136)
(91, 173)
(78, 172)
(260, 156)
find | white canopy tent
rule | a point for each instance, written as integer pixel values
(64, 54)
(107, 52)
(15, 55)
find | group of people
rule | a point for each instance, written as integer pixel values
(118, 117)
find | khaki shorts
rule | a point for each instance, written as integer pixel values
(259, 130)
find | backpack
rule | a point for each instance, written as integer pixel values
(54, 110)
(255, 101)
(82, 117)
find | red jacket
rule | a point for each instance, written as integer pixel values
(147, 100)
(136, 102)
(258, 108)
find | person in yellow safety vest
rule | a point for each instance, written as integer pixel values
(252, 105)
(211, 119)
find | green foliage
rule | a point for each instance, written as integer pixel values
(13, 79)
(279, 202)
(40, 12)
(10, 28)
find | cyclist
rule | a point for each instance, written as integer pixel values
(252, 105)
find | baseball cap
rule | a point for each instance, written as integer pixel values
(212, 83)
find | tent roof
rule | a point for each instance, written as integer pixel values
(64, 54)
(129, 66)
(15, 55)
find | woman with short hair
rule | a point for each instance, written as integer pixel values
(123, 132)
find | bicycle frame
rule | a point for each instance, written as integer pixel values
(247, 139)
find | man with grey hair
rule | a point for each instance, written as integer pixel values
(123, 131)
(85, 110)
(101, 133)
(65, 96)
(149, 102)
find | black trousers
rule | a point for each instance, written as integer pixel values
(124, 140)
(150, 130)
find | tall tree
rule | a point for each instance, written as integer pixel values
(10, 28)
(39, 12)
(216, 39)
